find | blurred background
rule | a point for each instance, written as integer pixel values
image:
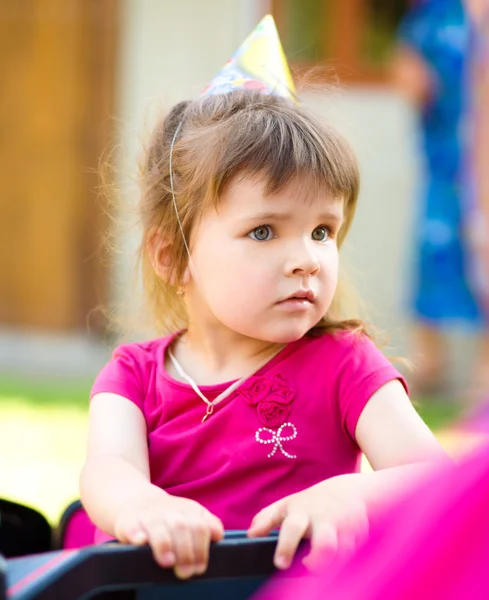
(77, 78)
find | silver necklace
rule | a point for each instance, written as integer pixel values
(229, 390)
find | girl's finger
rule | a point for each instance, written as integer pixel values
(215, 525)
(138, 537)
(183, 545)
(324, 546)
(201, 542)
(294, 528)
(160, 540)
(361, 528)
(131, 531)
(347, 544)
(268, 518)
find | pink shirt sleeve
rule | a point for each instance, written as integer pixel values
(363, 370)
(122, 376)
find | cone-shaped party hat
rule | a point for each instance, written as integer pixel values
(259, 63)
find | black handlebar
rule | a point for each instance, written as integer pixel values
(73, 574)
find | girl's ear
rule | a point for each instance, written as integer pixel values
(159, 250)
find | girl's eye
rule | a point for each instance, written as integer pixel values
(262, 233)
(320, 234)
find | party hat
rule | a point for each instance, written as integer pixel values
(259, 63)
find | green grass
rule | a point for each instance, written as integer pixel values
(46, 392)
(42, 442)
(437, 413)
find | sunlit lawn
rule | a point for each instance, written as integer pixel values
(42, 443)
(43, 431)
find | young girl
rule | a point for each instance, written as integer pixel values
(254, 412)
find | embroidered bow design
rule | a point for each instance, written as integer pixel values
(276, 438)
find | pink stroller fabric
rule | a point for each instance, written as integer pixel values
(434, 544)
(77, 530)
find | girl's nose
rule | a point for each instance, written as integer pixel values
(304, 261)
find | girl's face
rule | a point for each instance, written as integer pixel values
(265, 267)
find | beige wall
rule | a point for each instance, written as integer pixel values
(169, 51)
(378, 250)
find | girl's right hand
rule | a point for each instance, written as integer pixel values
(178, 530)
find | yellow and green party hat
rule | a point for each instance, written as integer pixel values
(259, 63)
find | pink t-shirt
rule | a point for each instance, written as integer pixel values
(286, 428)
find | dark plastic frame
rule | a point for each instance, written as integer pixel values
(3, 577)
(78, 574)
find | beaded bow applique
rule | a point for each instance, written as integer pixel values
(273, 397)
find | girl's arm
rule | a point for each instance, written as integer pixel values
(119, 497)
(390, 432)
(116, 468)
(399, 446)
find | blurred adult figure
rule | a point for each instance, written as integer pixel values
(478, 166)
(431, 68)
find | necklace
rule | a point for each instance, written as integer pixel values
(227, 392)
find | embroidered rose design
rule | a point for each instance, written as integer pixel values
(255, 389)
(272, 397)
(280, 390)
(271, 413)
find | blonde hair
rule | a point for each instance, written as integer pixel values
(244, 132)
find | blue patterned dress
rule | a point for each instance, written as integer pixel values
(439, 31)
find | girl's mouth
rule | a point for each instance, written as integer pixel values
(298, 301)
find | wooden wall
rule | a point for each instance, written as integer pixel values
(57, 73)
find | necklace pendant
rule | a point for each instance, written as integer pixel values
(208, 411)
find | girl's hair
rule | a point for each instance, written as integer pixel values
(244, 132)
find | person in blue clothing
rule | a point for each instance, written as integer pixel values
(478, 207)
(431, 68)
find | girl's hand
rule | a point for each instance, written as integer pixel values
(178, 530)
(328, 513)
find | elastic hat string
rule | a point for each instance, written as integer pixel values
(192, 268)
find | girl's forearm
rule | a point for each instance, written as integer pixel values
(108, 485)
(385, 486)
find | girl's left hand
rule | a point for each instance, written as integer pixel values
(329, 513)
